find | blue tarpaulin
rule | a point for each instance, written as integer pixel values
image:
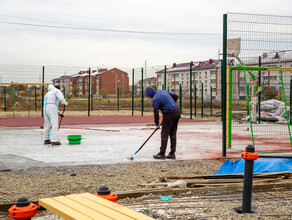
(261, 165)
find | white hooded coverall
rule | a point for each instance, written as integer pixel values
(51, 102)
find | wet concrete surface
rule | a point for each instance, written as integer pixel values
(22, 148)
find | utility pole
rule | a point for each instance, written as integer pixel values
(145, 71)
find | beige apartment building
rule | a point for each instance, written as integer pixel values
(204, 78)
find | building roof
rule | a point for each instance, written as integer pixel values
(278, 57)
(112, 70)
(177, 67)
(201, 65)
(149, 79)
(61, 77)
(205, 65)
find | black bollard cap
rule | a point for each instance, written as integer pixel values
(104, 190)
(22, 202)
(250, 148)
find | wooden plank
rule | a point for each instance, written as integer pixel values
(62, 210)
(230, 184)
(285, 183)
(228, 176)
(81, 208)
(116, 207)
(98, 208)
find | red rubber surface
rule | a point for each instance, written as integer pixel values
(31, 122)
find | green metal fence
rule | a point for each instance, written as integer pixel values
(257, 41)
(124, 95)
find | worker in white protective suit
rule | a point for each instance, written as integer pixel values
(51, 112)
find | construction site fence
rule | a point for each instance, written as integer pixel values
(258, 40)
(23, 87)
(27, 101)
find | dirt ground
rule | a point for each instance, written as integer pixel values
(48, 182)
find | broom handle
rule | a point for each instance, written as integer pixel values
(62, 118)
(147, 140)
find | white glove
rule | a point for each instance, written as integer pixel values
(66, 103)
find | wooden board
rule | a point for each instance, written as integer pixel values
(87, 206)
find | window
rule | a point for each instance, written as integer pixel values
(206, 73)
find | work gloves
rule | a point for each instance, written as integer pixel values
(157, 126)
(61, 115)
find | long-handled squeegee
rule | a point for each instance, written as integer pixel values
(132, 157)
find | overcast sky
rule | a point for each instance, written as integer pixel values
(118, 33)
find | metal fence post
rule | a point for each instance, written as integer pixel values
(5, 107)
(290, 101)
(43, 91)
(165, 77)
(247, 185)
(29, 100)
(118, 98)
(89, 92)
(191, 92)
(260, 64)
(133, 88)
(180, 100)
(195, 101)
(202, 101)
(223, 85)
(13, 99)
(142, 93)
(247, 106)
(211, 99)
(35, 99)
(91, 107)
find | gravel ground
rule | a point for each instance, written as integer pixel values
(57, 181)
(48, 182)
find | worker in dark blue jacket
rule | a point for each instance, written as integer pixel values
(166, 102)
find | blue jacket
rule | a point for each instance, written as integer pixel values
(162, 100)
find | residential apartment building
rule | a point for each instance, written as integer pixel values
(204, 77)
(64, 83)
(270, 80)
(111, 80)
(108, 80)
(148, 82)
